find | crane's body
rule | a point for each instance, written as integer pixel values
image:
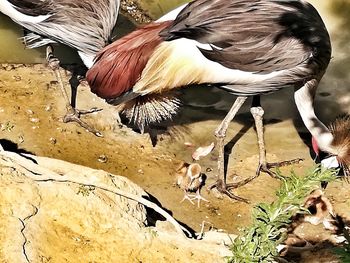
(247, 48)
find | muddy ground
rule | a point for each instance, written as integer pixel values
(31, 120)
(32, 107)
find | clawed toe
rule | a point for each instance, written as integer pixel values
(266, 168)
(196, 196)
(73, 115)
(224, 189)
(84, 112)
(188, 197)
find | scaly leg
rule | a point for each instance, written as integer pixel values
(220, 134)
(258, 112)
(73, 115)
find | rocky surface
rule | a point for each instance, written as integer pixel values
(54, 211)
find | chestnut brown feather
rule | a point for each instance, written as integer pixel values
(340, 129)
(119, 66)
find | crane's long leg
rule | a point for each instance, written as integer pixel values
(258, 112)
(220, 134)
(73, 115)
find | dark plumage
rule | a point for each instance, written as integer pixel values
(258, 36)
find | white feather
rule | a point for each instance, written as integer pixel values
(330, 162)
(181, 57)
(9, 10)
(87, 59)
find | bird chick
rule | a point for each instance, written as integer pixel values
(190, 179)
(321, 210)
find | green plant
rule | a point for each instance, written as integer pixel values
(343, 253)
(258, 243)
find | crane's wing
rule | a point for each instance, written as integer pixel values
(256, 36)
(85, 25)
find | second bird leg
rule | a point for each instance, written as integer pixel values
(199, 197)
(258, 112)
(220, 134)
(72, 115)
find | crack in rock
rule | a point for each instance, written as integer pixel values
(24, 225)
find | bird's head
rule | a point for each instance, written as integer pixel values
(339, 156)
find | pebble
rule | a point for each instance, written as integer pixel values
(35, 120)
(53, 140)
(17, 78)
(8, 67)
(102, 158)
(20, 139)
(48, 108)
(208, 170)
(29, 112)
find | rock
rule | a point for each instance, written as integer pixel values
(63, 221)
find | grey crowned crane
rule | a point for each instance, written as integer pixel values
(245, 47)
(84, 25)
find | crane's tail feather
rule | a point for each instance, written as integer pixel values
(145, 110)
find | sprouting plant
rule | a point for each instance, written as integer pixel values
(259, 242)
(85, 190)
(7, 126)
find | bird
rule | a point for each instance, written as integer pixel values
(84, 25)
(189, 178)
(340, 129)
(247, 48)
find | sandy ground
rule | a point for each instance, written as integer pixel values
(31, 119)
(32, 107)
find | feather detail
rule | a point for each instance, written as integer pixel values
(340, 130)
(153, 108)
(119, 66)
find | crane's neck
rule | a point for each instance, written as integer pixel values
(304, 98)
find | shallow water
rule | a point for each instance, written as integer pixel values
(153, 168)
(157, 8)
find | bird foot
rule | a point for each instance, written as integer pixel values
(224, 189)
(73, 115)
(199, 198)
(188, 197)
(266, 168)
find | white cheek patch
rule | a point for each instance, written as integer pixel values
(330, 162)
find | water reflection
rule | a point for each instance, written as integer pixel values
(158, 8)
